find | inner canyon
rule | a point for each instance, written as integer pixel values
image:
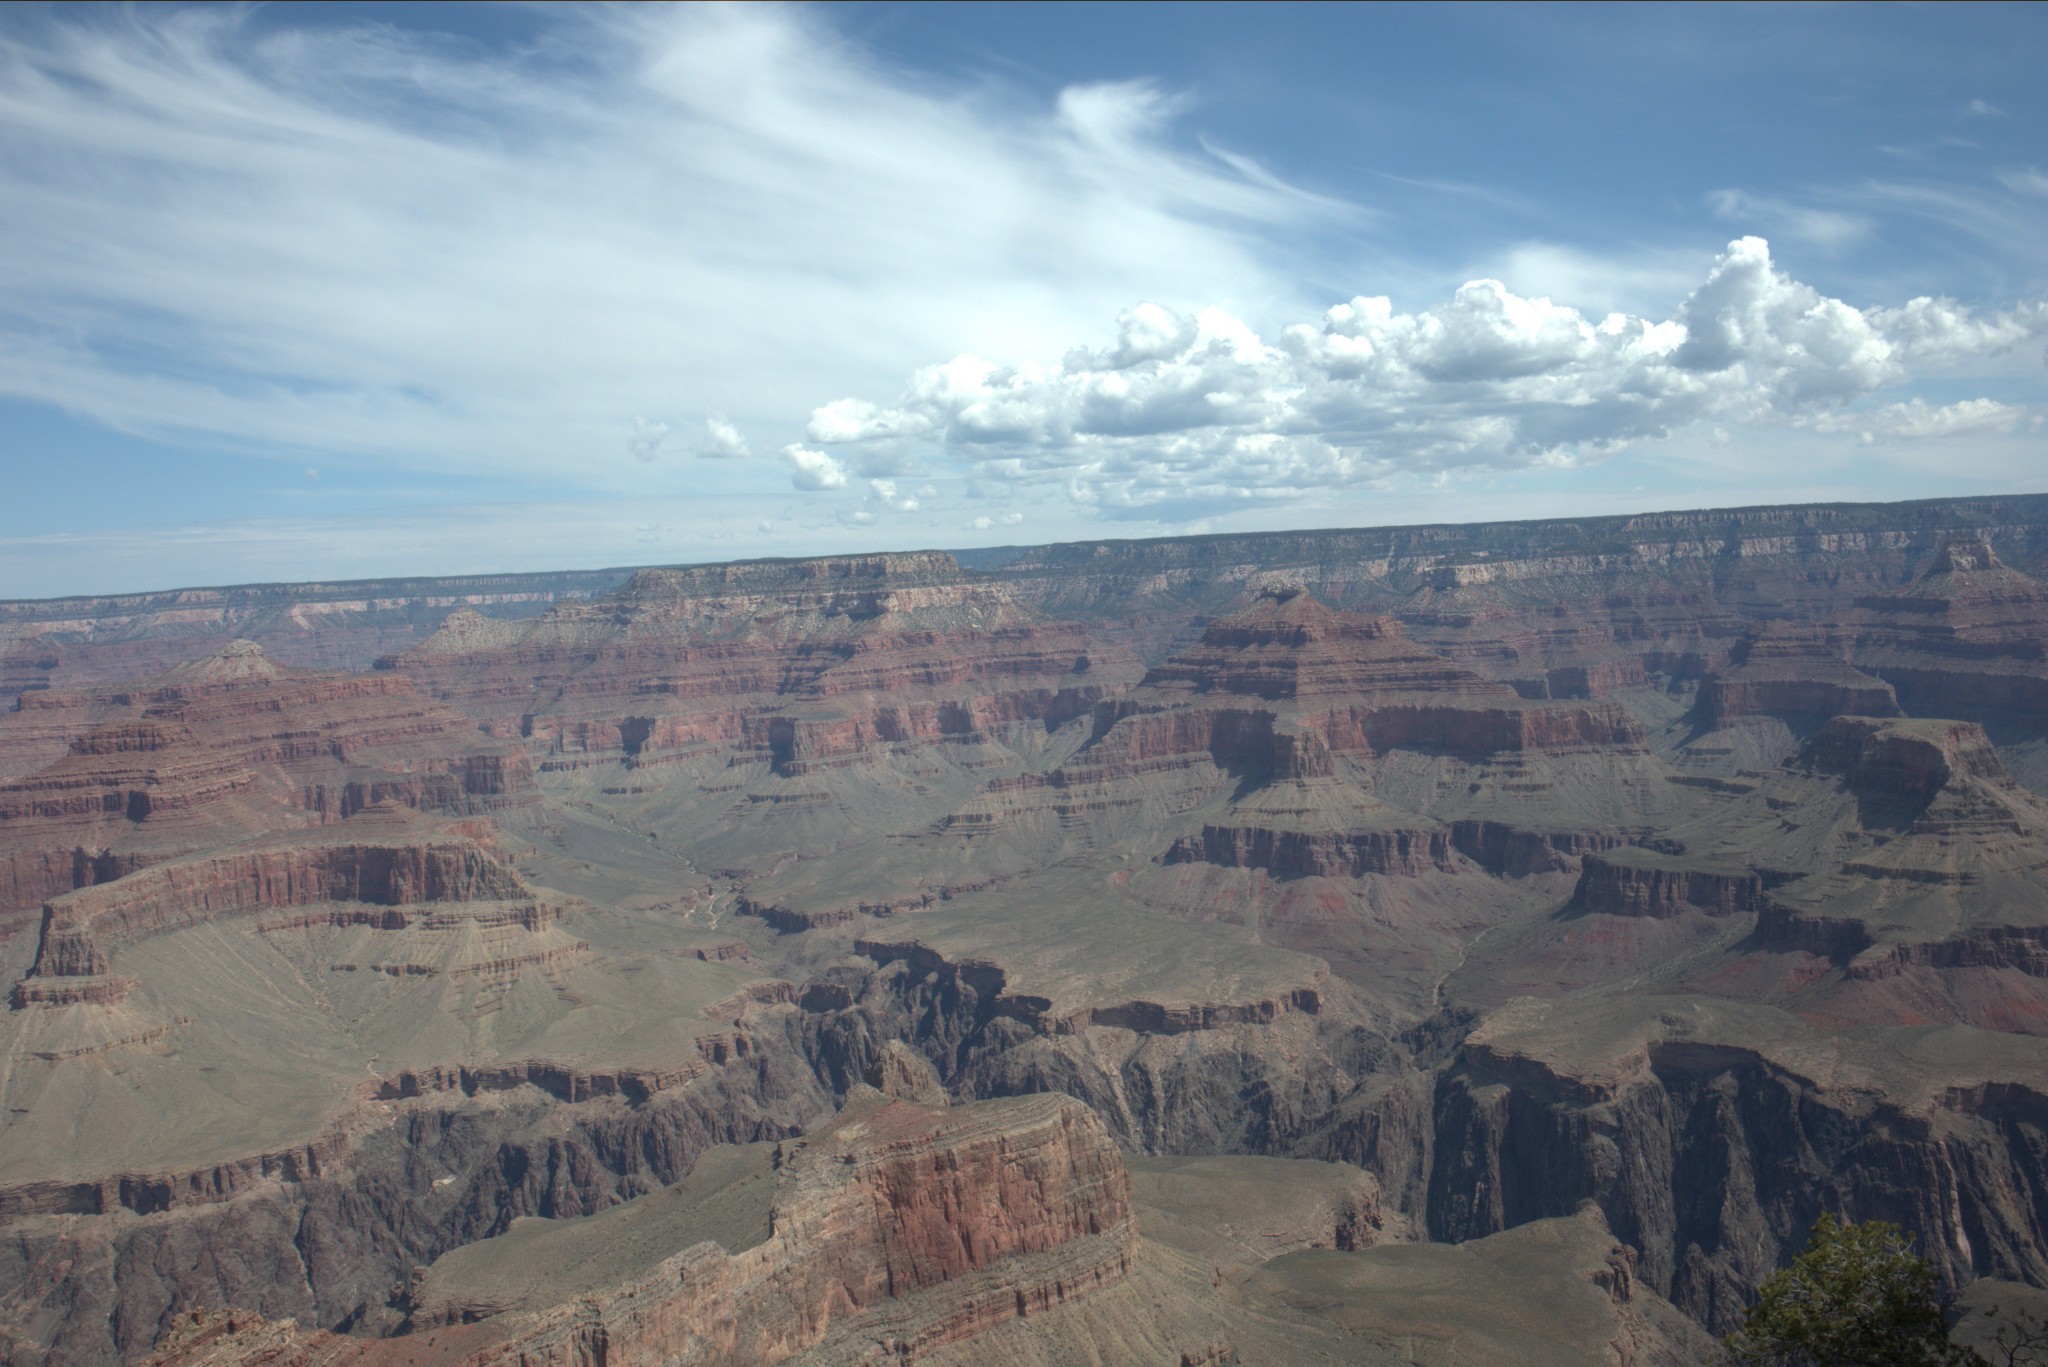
(1488, 944)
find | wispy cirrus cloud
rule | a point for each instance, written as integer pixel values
(364, 240)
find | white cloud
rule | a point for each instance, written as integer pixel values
(367, 240)
(1186, 411)
(722, 441)
(813, 470)
(646, 438)
(1828, 228)
(2027, 182)
(1916, 419)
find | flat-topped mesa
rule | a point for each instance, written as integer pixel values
(81, 929)
(1639, 882)
(1288, 646)
(1355, 682)
(1287, 854)
(1905, 763)
(1799, 674)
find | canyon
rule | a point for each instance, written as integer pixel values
(1491, 943)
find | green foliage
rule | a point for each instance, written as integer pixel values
(1857, 1297)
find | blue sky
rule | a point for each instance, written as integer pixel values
(354, 290)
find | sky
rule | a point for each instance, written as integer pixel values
(359, 290)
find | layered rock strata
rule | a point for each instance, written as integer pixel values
(899, 1230)
(228, 747)
(807, 664)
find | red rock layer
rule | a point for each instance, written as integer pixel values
(1967, 639)
(805, 663)
(1333, 682)
(1793, 673)
(1615, 888)
(981, 1214)
(1503, 849)
(221, 749)
(1304, 854)
(901, 1229)
(80, 929)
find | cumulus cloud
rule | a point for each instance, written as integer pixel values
(813, 470)
(1198, 410)
(722, 441)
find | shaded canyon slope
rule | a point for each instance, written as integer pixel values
(1495, 943)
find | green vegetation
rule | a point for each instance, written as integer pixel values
(1857, 1297)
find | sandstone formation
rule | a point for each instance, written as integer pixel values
(895, 1231)
(804, 664)
(223, 748)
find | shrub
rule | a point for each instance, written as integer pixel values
(1857, 1297)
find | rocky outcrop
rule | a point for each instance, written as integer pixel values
(1646, 886)
(1712, 1161)
(1800, 674)
(227, 747)
(1306, 854)
(932, 1224)
(807, 664)
(1500, 848)
(80, 929)
(899, 1229)
(1906, 763)
(1964, 640)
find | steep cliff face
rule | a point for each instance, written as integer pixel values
(897, 1230)
(336, 1246)
(1800, 674)
(1644, 885)
(1712, 1161)
(81, 929)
